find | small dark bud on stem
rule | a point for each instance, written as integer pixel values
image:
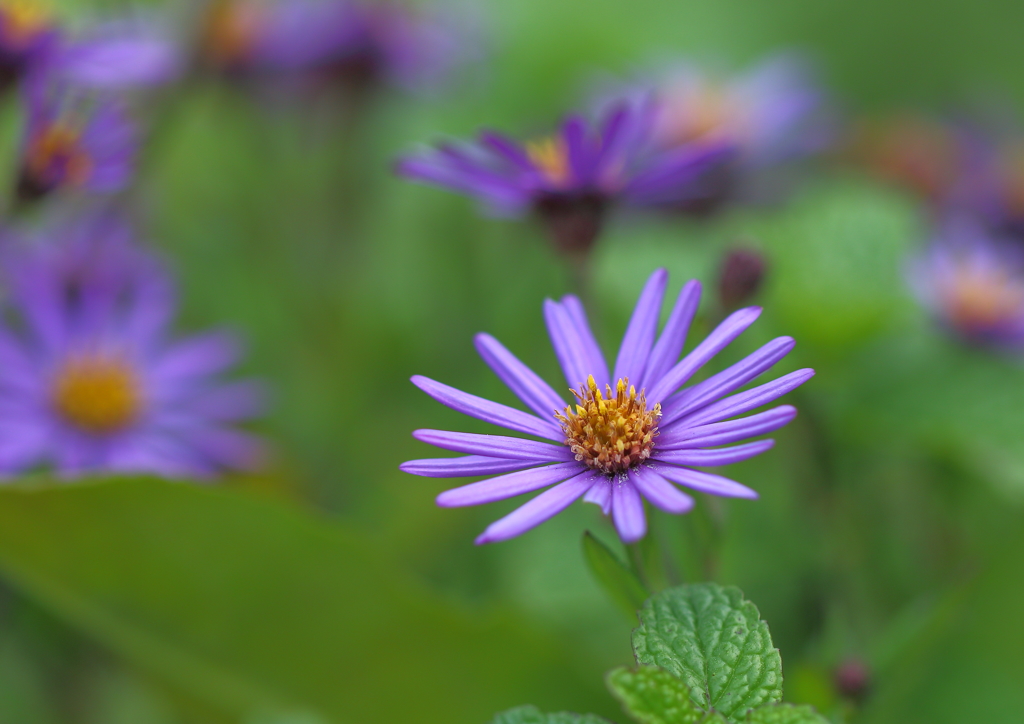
(853, 680)
(573, 222)
(740, 277)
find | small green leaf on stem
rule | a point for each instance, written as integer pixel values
(620, 583)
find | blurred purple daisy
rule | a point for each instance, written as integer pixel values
(572, 179)
(973, 283)
(27, 33)
(73, 139)
(90, 382)
(628, 436)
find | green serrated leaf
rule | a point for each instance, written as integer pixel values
(618, 581)
(785, 714)
(532, 715)
(654, 696)
(715, 641)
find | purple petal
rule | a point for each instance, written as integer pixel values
(639, 337)
(628, 511)
(198, 356)
(495, 446)
(507, 486)
(569, 348)
(670, 344)
(508, 149)
(722, 433)
(488, 411)
(601, 494)
(705, 482)
(574, 132)
(676, 175)
(727, 380)
(748, 400)
(659, 491)
(723, 334)
(711, 458)
(590, 349)
(464, 467)
(524, 382)
(544, 506)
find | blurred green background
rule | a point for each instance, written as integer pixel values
(332, 589)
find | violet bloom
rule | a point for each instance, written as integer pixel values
(627, 436)
(973, 284)
(27, 33)
(573, 178)
(90, 381)
(73, 139)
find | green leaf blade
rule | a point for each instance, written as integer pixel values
(654, 696)
(614, 576)
(715, 642)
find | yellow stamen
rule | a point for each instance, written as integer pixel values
(230, 30)
(610, 432)
(58, 144)
(551, 156)
(97, 394)
(23, 19)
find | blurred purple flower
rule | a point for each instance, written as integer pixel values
(27, 34)
(73, 138)
(571, 179)
(613, 446)
(90, 382)
(973, 283)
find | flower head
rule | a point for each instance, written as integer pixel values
(973, 284)
(90, 381)
(27, 32)
(73, 139)
(627, 436)
(572, 178)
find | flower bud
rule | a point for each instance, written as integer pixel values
(740, 277)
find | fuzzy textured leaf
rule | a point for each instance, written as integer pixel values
(716, 642)
(785, 714)
(532, 715)
(654, 696)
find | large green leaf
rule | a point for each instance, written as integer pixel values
(533, 715)
(258, 606)
(715, 641)
(785, 714)
(654, 696)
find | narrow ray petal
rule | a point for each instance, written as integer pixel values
(600, 494)
(524, 382)
(507, 486)
(544, 506)
(722, 433)
(594, 357)
(508, 149)
(465, 466)
(670, 344)
(705, 482)
(639, 337)
(574, 132)
(727, 380)
(659, 491)
(725, 333)
(568, 347)
(746, 401)
(718, 456)
(628, 511)
(495, 446)
(488, 411)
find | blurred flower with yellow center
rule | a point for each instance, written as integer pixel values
(22, 20)
(230, 31)
(982, 298)
(551, 157)
(58, 146)
(613, 431)
(96, 393)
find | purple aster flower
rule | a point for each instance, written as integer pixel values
(73, 138)
(631, 435)
(90, 381)
(27, 34)
(573, 178)
(973, 283)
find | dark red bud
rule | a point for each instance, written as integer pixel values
(740, 277)
(853, 680)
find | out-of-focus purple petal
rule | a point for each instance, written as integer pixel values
(670, 344)
(544, 506)
(488, 411)
(628, 511)
(507, 486)
(722, 433)
(197, 356)
(509, 150)
(746, 401)
(590, 349)
(715, 342)
(574, 132)
(705, 482)
(712, 458)
(524, 382)
(496, 446)
(659, 491)
(464, 467)
(643, 325)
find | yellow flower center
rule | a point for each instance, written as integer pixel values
(610, 432)
(230, 30)
(23, 19)
(982, 299)
(58, 146)
(551, 156)
(97, 394)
